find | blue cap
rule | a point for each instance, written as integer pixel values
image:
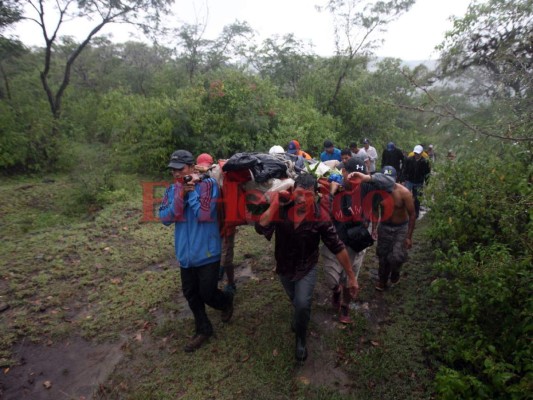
(390, 146)
(389, 171)
(292, 148)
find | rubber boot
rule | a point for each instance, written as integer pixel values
(301, 349)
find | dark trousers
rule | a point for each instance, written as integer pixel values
(199, 285)
(416, 190)
(300, 293)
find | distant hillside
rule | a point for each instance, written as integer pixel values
(431, 64)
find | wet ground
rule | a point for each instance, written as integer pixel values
(68, 370)
(76, 368)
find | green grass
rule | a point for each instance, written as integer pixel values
(107, 276)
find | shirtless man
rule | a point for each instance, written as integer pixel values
(394, 233)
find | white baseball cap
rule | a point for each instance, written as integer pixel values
(418, 149)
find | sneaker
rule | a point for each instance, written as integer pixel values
(344, 315)
(227, 313)
(394, 281)
(230, 288)
(380, 286)
(195, 343)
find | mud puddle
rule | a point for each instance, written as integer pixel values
(70, 370)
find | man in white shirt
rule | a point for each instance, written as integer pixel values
(372, 154)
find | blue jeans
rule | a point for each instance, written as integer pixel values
(416, 190)
(301, 295)
(199, 286)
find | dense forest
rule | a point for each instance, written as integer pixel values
(93, 110)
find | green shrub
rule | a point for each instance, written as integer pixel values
(25, 138)
(13, 145)
(482, 200)
(481, 225)
(486, 346)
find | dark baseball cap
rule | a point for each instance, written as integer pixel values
(328, 144)
(180, 158)
(389, 171)
(352, 165)
(292, 149)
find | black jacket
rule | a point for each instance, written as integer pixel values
(416, 171)
(394, 158)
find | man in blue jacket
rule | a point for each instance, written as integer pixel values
(191, 205)
(330, 152)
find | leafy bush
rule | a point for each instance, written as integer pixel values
(482, 200)
(93, 176)
(231, 113)
(139, 128)
(481, 223)
(13, 145)
(486, 346)
(25, 143)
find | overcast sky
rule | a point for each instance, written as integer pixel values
(412, 37)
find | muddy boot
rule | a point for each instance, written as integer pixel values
(301, 349)
(196, 342)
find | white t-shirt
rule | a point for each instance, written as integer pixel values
(361, 155)
(373, 155)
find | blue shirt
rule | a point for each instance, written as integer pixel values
(196, 235)
(336, 155)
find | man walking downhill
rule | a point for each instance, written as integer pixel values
(416, 174)
(347, 197)
(190, 204)
(299, 224)
(394, 157)
(394, 232)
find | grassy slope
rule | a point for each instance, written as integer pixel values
(110, 276)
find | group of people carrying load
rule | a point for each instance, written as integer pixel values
(301, 202)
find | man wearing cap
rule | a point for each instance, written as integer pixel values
(372, 154)
(346, 207)
(190, 203)
(299, 223)
(294, 148)
(416, 174)
(330, 152)
(424, 153)
(394, 157)
(394, 232)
